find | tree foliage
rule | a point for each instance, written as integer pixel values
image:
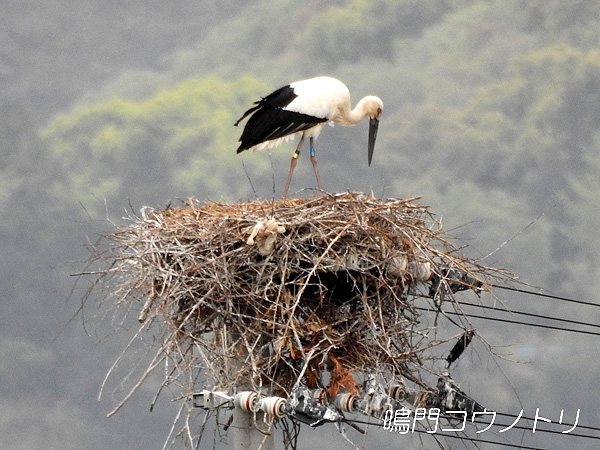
(359, 29)
(179, 137)
(545, 121)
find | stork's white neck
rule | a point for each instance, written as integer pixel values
(370, 106)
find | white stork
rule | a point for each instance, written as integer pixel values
(303, 108)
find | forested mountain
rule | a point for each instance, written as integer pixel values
(491, 115)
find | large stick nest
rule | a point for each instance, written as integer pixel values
(269, 295)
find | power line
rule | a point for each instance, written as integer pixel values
(538, 325)
(541, 294)
(539, 316)
(487, 441)
(541, 430)
(515, 426)
(518, 322)
(585, 427)
(472, 439)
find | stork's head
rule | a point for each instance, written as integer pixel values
(373, 108)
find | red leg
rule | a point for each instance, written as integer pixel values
(313, 160)
(292, 166)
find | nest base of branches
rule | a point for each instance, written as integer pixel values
(268, 295)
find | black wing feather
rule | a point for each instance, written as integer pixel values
(270, 121)
(276, 99)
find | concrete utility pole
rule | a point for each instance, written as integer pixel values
(246, 434)
(248, 417)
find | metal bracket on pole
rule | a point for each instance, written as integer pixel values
(306, 406)
(211, 400)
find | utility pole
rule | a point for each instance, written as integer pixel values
(247, 435)
(252, 420)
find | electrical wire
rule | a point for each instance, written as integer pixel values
(512, 426)
(539, 316)
(487, 441)
(515, 426)
(528, 314)
(541, 294)
(518, 322)
(539, 429)
(467, 438)
(585, 427)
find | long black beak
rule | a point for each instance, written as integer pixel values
(373, 125)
